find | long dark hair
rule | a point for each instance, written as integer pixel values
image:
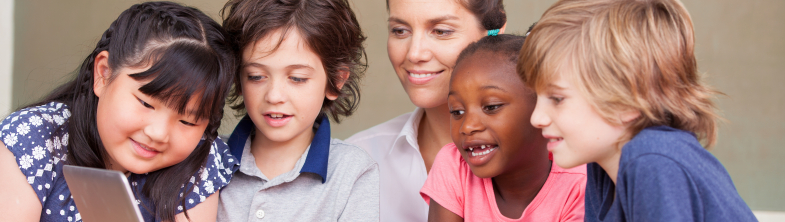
(330, 29)
(190, 58)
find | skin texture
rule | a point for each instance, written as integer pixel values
(128, 120)
(426, 41)
(290, 81)
(491, 106)
(20, 203)
(564, 114)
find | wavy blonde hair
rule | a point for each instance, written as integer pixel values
(626, 55)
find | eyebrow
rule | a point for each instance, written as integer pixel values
(430, 21)
(289, 67)
(482, 88)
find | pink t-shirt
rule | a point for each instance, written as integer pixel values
(453, 185)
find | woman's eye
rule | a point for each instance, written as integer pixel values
(297, 80)
(187, 123)
(398, 31)
(442, 32)
(145, 104)
(491, 107)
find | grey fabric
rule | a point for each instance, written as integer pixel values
(351, 192)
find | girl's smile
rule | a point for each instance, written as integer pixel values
(144, 150)
(480, 154)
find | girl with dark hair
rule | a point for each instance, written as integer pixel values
(498, 168)
(425, 38)
(301, 65)
(147, 102)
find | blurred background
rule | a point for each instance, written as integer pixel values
(740, 51)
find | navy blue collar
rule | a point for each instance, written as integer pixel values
(318, 154)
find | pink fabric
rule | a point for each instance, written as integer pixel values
(453, 185)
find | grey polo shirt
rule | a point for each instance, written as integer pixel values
(332, 181)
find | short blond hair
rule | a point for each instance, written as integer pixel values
(626, 54)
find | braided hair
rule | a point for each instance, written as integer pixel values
(190, 58)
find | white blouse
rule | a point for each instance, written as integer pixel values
(393, 145)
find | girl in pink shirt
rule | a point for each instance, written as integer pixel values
(498, 169)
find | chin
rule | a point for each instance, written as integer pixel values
(564, 162)
(426, 100)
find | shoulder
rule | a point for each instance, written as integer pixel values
(450, 163)
(42, 121)
(575, 175)
(661, 140)
(345, 155)
(389, 129)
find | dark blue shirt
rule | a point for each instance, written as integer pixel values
(664, 175)
(38, 137)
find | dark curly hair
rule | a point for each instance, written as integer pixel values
(490, 12)
(329, 28)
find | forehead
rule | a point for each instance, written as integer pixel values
(422, 11)
(292, 50)
(486, 68)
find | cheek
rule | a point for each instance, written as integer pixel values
(396, 51)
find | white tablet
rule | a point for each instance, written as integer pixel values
(101, 195)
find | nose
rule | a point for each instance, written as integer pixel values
(540, 118)
(158, 129)
(419, 50)
(275, 92)
(471, 124)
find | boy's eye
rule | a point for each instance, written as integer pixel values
(255, 78)
(297, 80)
(187, 123)
(145, 104)
(556, 99)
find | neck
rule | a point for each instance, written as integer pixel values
(277, 157)
(611, 164)
(433, 133)
(522, 184)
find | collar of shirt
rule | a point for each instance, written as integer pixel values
(410, 131)
(318, 152)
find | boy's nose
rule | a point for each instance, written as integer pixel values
(275, 93)
(539, 118)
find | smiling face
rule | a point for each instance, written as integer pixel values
(424, 43)
(141, 134)
(490, 109)
(283, 90)
(577, 133)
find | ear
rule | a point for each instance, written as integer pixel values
(629, 115)
(504, 27)
(343, 75)
(101, 73)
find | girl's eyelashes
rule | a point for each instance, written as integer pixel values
(145, 104)
(187, 123)
(456, 113)
(491, 108)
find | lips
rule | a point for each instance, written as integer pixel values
(144, 150)
(422, 77)
(553, 141)
(277, 119)
(480, 154)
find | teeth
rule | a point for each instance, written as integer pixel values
(482, 147)
(276, 115)
(416, 76)
(554, 139)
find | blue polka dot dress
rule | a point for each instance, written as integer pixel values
(38, 137)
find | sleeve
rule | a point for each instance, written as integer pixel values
(574, 208)
(215, 175)
(656, 188)
(363, 200)
(32, 135)
(444, 183)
